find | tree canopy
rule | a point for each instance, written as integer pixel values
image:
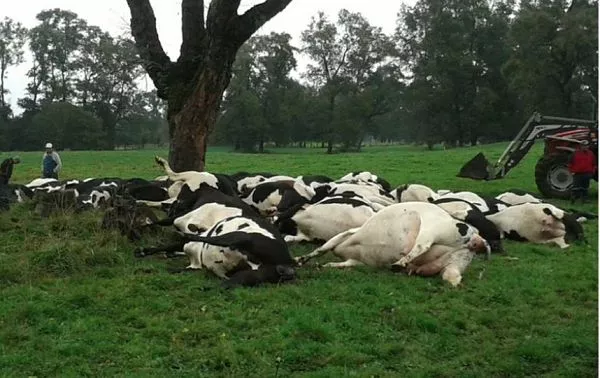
(452, 72)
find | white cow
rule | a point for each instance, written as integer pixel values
(513, 198)
(486, 205)
(397, 235)
(325, 219)
(373, 193)
(535, 222)
(414, 193)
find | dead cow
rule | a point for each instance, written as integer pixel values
(414, 193)
(399, 234)
(517, 197)
(534, 222)
(197, 211)
(469, 213)
(242, 250)
(194, 179)
(324, 219)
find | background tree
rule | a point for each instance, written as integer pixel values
(327, 49)
(555, 57)
(447, 45)
(193, 86)
(67, 125)
(12, 39)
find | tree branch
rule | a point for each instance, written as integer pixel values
(257, 16)
(342, 61)
(192, 28)
(143, 28)
(220, 13)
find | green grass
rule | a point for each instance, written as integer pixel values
(75, 302)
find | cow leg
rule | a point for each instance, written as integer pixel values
(418, 249)
(163, 222)
(296, 238)
(172, 250)
(345, 264)
(331, 244)
(558, 241)
(154, 204)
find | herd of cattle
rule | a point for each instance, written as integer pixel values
(240, 226)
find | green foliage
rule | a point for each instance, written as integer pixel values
(554, 65)
(67, 126)
(12, 39)
(75, 302)
(457, 72)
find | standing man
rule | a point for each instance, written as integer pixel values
(583, 167)
(51, 163)
(6, 169)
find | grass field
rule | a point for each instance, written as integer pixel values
(75, 302)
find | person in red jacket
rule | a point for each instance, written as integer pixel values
(583, 167)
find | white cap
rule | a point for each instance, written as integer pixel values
(48, 145)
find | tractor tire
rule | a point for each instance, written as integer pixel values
(552, 176)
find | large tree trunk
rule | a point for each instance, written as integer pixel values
(193, 85)
(192, 117)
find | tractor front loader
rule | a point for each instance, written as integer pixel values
(552, 176)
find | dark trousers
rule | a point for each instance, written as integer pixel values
(3, 180)
(581, 185)
(53, 175)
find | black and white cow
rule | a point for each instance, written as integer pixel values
(485, 204)
(372, 193)
(40, 182)
(468, 213)
(309, 179)
(97, 197)
(266, 197)
(140, 189)
(397, 235)
(324, 219)
(194, 179)
(517, 197)
(366, 177)
(199, 210)
(244, 251)
(533, 222)
(414, 193)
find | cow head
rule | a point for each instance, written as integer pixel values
(183, 204)
(469, 237)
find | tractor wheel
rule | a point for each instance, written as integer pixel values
(552, 176)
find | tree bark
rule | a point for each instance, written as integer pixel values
(194, 85)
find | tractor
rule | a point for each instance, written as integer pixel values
(552, 176)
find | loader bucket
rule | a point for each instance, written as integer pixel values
(478, 168)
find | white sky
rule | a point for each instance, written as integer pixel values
(113, 17)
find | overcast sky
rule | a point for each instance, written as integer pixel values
(113, 17)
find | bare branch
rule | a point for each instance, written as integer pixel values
(143, 29)
(192, 28)
(342, 61)
(257, 16)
